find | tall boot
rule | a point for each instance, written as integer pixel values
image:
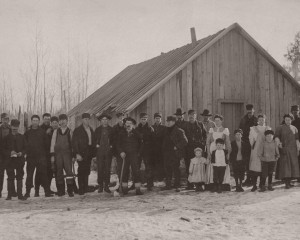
(80, 185)
(70, 189)
(60, 189)
(27, 194)
(13, 190)
(37, 191)
(20, 190)
(138, 189)
(9, 188)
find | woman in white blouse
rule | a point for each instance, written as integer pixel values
(256, 138)
(214, 133)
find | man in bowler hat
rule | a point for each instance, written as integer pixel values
(207, 122)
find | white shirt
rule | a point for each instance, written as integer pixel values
(220, 159)
(88, 131)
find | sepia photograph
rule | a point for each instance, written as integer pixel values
(150, 119)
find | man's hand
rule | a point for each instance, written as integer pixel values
(123, 155)
(175, 148)
(78, 157)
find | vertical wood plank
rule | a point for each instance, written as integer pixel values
(189, 86)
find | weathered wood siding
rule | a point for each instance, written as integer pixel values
(231, 70)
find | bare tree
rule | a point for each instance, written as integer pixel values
(293, 57)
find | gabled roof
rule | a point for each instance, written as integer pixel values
(135, 83)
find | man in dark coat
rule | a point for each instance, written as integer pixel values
(249, 120)
(36, 151)
(146, 133)
(48, 129)
(83, 142)
(104, 144)
(119, 127)
(5, 129)
(180, 122)
(196, 135)
(157, 154)
(129, 146)
(14, 147)
(174, 144)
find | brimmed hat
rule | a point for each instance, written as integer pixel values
(238, 131)
(85, 115)
(179, 112)
(157, 115)
(198, 149)
(171, 118)
(191, 111)
(63, 117)
(249, 106)
(206, 113)
(269, 132)
(4, 115)
(15, 123)
(103, 115)
(130, 119)
(295, 108)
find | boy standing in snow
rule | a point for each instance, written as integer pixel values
(237, 158)
(219, 162)
(197, 174)
(268, 154)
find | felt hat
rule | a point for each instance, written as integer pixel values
(249, 106)
(104, 115)
(171, 118)
(179, 112)
(191, 111)
(206, 113)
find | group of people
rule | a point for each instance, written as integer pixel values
(50, 150)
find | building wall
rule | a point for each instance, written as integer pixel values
(224, 79)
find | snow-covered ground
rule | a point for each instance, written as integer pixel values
(156, 215)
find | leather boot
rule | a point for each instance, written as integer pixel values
(27, 194)
(80, 185)
(70, 189)
(37, 191)
(13, 190)
(20, 190)
(60, 190)
(9, 188)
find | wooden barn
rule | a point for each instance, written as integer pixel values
(222, 72)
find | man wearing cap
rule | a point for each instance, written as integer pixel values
(61, 154)
(14, 147)
(207, 122)
(83, 142)
(157, 154)
(249, 120)
(129, 146)
(36, 151)
(104, 144)
(146, 134)
(4, 131)
(180, 122)
(196, 135)
(174, 144)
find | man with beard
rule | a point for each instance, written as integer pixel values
(37, 150)
(196, 135)
(83, 142)
(128, 146)
(207, 122)
(146, 134)
(249, 120)
(174, 144)
(5, 129)
(180, 122)
(158, 136)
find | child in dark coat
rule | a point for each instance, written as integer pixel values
(219, 161)
(237, 158)
(268, 154)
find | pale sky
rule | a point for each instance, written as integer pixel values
(125, 32)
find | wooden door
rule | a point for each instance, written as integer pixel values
(232, 113)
